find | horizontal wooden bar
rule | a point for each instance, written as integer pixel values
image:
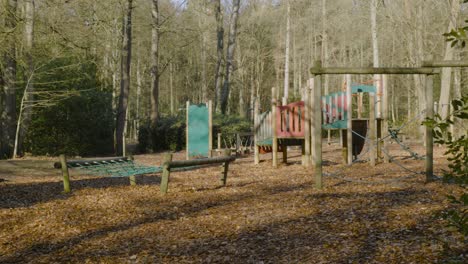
(196, 162)
(448, 63)
(371, 70)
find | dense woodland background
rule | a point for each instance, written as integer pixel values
(75, 75)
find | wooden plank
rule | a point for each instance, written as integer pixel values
(166, 172)
(132, 178)
(65, 175)
(429, 137)
(371, 70)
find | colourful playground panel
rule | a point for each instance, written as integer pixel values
(198, 131)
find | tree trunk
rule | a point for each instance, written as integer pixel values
(154, 63)
(446, 76)
(9, 81)
(28, 47)
(230, 55)
(219, 49)
(125, 78)
(286, 55)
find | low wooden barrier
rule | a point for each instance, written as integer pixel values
(169, 164)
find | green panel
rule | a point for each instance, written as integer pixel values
(363, 89)
(336, 125)
(197, 145)
(266, 142)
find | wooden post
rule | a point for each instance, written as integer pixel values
(384, 125)
(187, 131)
(219, 141)
(238, 144)
(284, 148)
(166, 172)
(349, 121)
(257, 130)
(273, 127)
(429, 137)
(210, 128)
(225, 167)
(132, 178)
(317, 127)
(307, 114)
(65, 175)
(344, 146)
(372, 129)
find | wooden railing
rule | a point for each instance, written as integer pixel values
(290, 120)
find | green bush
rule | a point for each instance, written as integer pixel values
(81, 124)
(169, 133)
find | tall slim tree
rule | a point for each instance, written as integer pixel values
(125, 78)
(230, 55)
(154, 62)
(9, 79)
(219, 51)
(446, 76)
(22, 126)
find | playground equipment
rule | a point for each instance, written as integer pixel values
(336, 111)
(283, 126)
(126, 167)
(199, 135)
(429, 69)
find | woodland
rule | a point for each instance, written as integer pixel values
(84, 80)
(80, 76)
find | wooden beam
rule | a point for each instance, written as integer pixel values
(227, 153)
(210, 128)
(443, 64)
(257, 130)
(349, 121)
(307, 112)
(317, 127)
(274, 151)
(65, 175)
(371, 70)
(372, 129)
(429, 136)
(196, 162)
(166, 172)
(187, 130)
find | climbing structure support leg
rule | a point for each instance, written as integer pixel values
(225, 167)
(349, 122)
(385, 115)
(429, 137)
(166, 172)
(66, 176)
(317, 127)
(372, 129)
(284, 149)
(273, 127)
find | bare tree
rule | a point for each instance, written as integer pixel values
(9, 79)
(154, 63)
(286, 55)
(125, 78)
(29, 90)
(230, 55)
(219, 51)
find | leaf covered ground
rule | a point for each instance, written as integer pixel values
(264, 215)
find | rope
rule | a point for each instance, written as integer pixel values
(391, 158)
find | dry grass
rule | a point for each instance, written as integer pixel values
(264, 215)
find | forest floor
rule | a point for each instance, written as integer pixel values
(264, 215)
